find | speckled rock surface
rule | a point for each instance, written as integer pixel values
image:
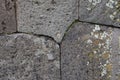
(7, 16)
(100, 11)
(46, 17)
(88, 53)
(27, 57)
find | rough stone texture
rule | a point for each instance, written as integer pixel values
(100, 11)
(27, 57)
(46, 17)
(7, 16)
(116, 54)
(90, 52)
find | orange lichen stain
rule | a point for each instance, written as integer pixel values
(118, 77)
(96, 42)
(109, 67)
(91, 55)
(106, 55)
(85, 37)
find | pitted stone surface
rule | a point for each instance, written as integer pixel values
(7, 16)
(100, 11)
(46, 17)
(27, 57)
(88, 53)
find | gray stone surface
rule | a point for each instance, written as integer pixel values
(46, 17)
(7, 16)
(27, 57)
(100, 11)
(90, 52)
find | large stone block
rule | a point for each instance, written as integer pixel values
(7, 16)
(46, 17)
(91, 52)
(100, 11)
(27, 57)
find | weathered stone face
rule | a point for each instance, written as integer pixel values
(88, 53)
(46, 17)
(27, 57)
(100, 11)
(7, 16)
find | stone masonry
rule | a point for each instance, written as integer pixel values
(60, 40)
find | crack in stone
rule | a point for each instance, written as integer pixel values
(112, 26)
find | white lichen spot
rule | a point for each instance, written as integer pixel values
(94, 52)
(100, 45)
(104, 72)
(112, 17)
(103, 35)
(95, 2)
(118, 20)
(89, 41)
(107, 62)
(88, 62)
(111, 3)
(96, 36)
(97, 27)
(116, 6)
(89, 9)
(114, 13)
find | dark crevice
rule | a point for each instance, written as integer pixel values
(60, 63)
(37, 35)
(78, 7)
(112, 26)
(71, 25)
(15, 7)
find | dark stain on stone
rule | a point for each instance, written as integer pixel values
(8, 4)
(50, 9)
(53, 2)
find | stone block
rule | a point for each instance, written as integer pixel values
(28, 57)
(46, 17)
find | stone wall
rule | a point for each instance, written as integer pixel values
(59, 40)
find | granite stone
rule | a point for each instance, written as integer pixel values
(90, 52)
(46, 17)
(28, 57)
(105, 12)
(7, 16)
